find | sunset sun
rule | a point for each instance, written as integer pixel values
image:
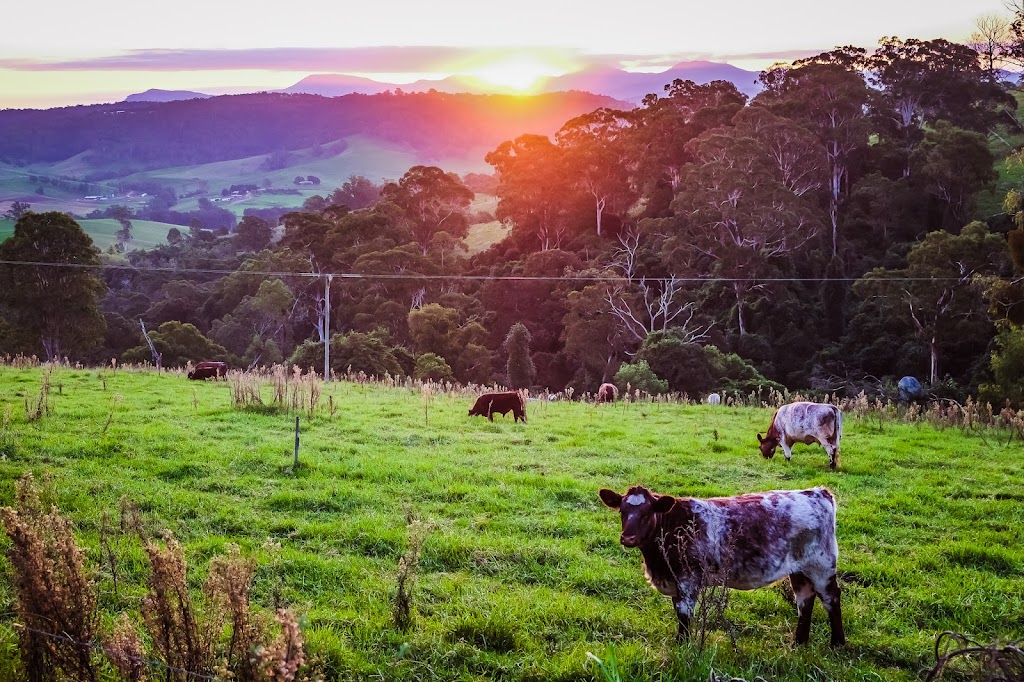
(518, 73)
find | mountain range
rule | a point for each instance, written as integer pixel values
(627, 86)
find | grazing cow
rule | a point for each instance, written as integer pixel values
(804, 423)
(741, 542)
(607, 393)
(208, 370)
(502, 403)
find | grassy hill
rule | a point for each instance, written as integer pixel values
(333, 163)
(1009, 169)
(147, 233)
(483, 236)
(522, 573)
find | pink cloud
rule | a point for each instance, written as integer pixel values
(378, 59)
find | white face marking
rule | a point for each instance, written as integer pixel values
(636, 499)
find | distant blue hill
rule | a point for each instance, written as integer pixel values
(157, 95)
(625, 86)
(632, 87)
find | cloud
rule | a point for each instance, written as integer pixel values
(377, 59)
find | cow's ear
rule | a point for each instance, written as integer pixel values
(663, 504)
(759, 438)
(610, 498)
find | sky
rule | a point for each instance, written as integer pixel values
(65, 52)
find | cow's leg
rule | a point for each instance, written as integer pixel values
(787, 450)
(828, 590)
(833, 456)
(684, 609)
(803, 592)
(685, 602)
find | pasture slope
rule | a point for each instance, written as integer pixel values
(146, 233)
(522, 573)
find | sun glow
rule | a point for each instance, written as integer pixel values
(516, 73)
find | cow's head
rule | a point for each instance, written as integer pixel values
(767, 445)
(639, 508)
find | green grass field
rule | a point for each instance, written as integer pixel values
(484, 235)
(333, 163)
(146, 233)
(522, 574)
(356, 155)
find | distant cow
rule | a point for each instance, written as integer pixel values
(208, 370)
(607, 393)
(502, 403)
(807, 423)
(741, 542)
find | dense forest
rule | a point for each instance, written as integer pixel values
(823, 235)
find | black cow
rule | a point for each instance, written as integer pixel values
(502, 403)
(208, 370)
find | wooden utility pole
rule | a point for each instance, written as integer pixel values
(327, 328)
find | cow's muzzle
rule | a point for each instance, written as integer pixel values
(628, 540)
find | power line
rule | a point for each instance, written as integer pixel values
(499, 278)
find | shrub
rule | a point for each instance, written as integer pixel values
(1007, 369)
(696, 370)
(639, 375)
(363, 352)
(519, 366)
(432, 367)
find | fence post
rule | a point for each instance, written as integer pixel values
(296, 442)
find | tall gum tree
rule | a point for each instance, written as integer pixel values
(664, 126)
(432, 201)
(829, 99)
(941, 287)
(597, 150)
(56, 301)
(535, 192)
(738, 215)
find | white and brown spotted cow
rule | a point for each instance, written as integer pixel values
(807, 423)
(743, 542)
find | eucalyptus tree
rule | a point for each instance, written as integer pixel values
(599, 157)
(663, 128)
(55, 301)
(743, 211)
(535, 189)
(830, 99)
(432, 201)
(941, 288)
